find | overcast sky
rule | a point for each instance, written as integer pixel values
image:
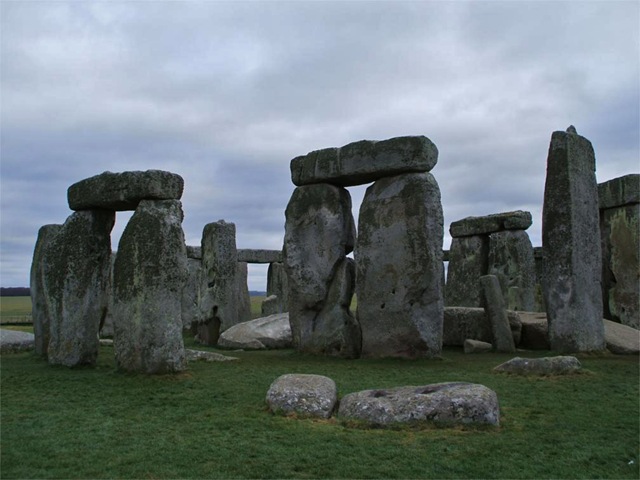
(227, 93)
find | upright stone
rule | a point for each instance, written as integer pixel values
(571, 243)
(190, 309)
(243, 300)
(538, 260)
(149, 275)
(38, 288)
(76, 277)
(497, 313)
(218, 293)
(399, 267)
(468, 261)
(511, 261)
(278, 285)
(319, 233)
(106, 326)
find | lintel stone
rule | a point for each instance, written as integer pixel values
(620, 191)
(365, 161)
(497, 222)
(124, 191)
(259, 256)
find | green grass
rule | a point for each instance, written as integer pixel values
(15, 308)
(256, 306)
(211, 422)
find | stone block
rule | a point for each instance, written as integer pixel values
(620, 191)
(259, 256)
(124, 191)
(468, 261)
(461, 323)
(365, 161)
(303, 395)
(278, 286)
(497, 313)
(476, 346)
(561, 365)
(270, 332)
(497, 222)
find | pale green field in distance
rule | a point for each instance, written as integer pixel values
(15, 309)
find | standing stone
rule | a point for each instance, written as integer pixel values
(538, 260)
(218, 293)
(38, 289)
(468, 261)
(76, 277)
(106, 326)
(399, 267)
(571, 243)
(190, 309)
(149, 275)
(511, 261)
(497, 313)
(278, 285)
(243, 300)
(319, 233)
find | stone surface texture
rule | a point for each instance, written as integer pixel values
(271, 305)
(76, 267)
(149, 275)
(270, 332)
(190, 309)
(468, 261)
(302, 394)
(218, 281)
(13, 341)
(497, 313)
(620, 191)
(124, 191)
(440, 403)
(278, 285)
(461, 323)
(365, 161)
(497, 222)
(400, 268)
(200, 356)
(243, 299)
(40, 307)
(476, 346)
(319, 233)
(259, 256)
(571, 243)
(535, 331)
(561, 365)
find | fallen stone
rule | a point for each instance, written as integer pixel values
(461, 323)
(497, 222)
(124, 191)
(476, 346)
(149, 275)
(12, 341)
(259, 256)
(303, 395)
(497, 313)
(440, 403)
(365, 161)
(269, 332)
(621, 339)
(571, 243)
(562, 365)
(200, 356)
(620, 191)
(399, 267)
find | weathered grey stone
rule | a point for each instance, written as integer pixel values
(562, 365)
(271, 305)
(476, 346)
(497, 222)
(400, 268)
(619, 192)
(218, 281)
(14, 342)
(106, 326)
(571, 243)
(40, 308)
(620, 232)
(538, 260)
(123, 191)
(148, 279)
(259, 256)
(497, 313)
(194, 253)
(468, 261)
(303, 395)
(190, 309)
(365, 161)
(76, 268)
(278, 285)
(269, 332)
(440, 403)
(511, 261)
(200, 356)
(319, 233)
(461, 323)
(243, 300)
(535, 331)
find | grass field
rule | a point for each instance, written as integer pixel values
(15, 309)
(211, 422)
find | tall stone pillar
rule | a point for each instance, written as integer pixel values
(76, 268)
(571, 246)
(319, 233)
(399, 267)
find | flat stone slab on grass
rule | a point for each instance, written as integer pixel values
(304, 395)
(440, 403)
(201, 356)
(561, 365)
(124, 191)
(12, 341)
(365, 161)
(476, 346)
(271, 332)
(497, 222)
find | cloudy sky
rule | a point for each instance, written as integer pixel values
(227, 93)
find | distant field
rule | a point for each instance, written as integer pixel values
(15, 309)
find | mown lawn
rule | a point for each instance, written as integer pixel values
(211, 422)
(15, 308)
